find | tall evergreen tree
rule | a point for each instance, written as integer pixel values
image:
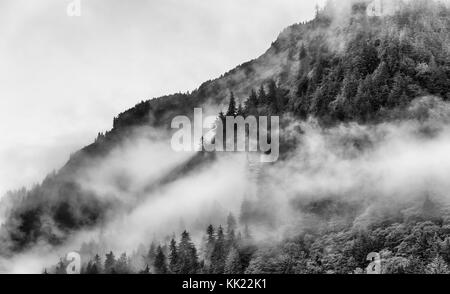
(151, 253)
(160, 264)
(209, 246)
(110, 262)
(251, 105)
(233, 262)
(91, 268)
(232, 110)
(262, 96)
(122, 265)
(97, 262)
(60, 268)
(218, 255)
(240, 110)
(173, 257)
(272, 99)
(187, 255)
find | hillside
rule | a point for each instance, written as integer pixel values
(339, 68)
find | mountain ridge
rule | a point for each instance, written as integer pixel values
(366, 70)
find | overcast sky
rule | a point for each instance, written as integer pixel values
(63, 79)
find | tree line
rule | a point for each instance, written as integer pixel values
(221, 251)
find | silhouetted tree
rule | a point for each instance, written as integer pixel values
(160, 265)
(187, 255)
(110, 262)
(233, 262)
(173, 257)
(232, 110)
(218, 255)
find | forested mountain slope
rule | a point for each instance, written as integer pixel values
(341, 67)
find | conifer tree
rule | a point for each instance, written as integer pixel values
(251, 105)
(187, 255)
(210, 242)
(262, 96)
(218, 255)
(60, 268)
(233, 262)
(173, 257)
(232, 110)
(151, 253)
(91, 268)
(240, 110)
(210, 234)
(110, 262)
(122, 264)
(160, 265)
(98, 263)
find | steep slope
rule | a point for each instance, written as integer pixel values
(339, 67)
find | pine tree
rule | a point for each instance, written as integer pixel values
(88, 268)
(173, 257)
(232, 110)
(91, 268)
(233, 262)
(98, 263)
(110, 262)
(151, 253)
(210, 234)
(251, 105)
(94, 269)
(210, 242)
(160, 265)
(187, 255)
(218, 255)
(302, 105)
(262, 96)
(61, 268)
(240, 111)
(122, 265)
(439, 83)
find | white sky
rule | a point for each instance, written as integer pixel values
(63, 79)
